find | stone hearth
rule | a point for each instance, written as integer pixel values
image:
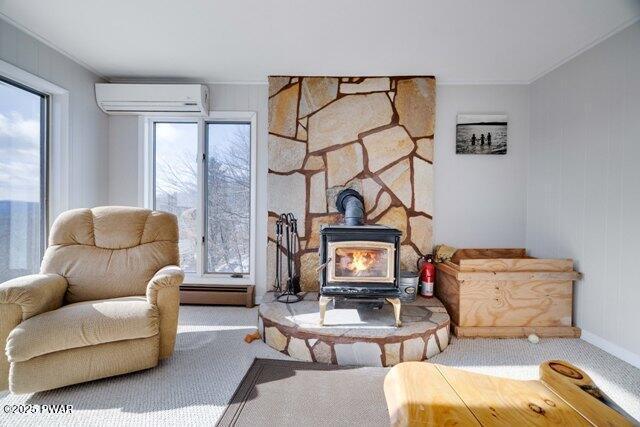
(359, 336)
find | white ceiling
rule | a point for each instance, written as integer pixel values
(461, 41)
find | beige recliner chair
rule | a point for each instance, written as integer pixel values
(105, 302)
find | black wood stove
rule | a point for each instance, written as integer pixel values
(359, 262)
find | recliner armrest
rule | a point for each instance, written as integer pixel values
(35, 294)
(167, 277)
(163, 291)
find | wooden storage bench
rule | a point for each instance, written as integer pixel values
(504, 293)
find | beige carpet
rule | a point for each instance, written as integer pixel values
(211, 358)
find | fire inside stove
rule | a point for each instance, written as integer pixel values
(360, 263)
(355, 261)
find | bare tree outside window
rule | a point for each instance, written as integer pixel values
(228, 197)
(176, 182)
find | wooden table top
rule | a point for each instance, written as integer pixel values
(425, 394)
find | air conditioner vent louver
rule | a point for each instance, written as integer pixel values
(181, 99)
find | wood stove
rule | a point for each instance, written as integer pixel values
(359, 262)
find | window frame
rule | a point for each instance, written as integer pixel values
(58, 186)
(45, 134)
(147, 187)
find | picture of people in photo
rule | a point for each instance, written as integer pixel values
(481, 134)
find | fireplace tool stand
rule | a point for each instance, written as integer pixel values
(289, 224)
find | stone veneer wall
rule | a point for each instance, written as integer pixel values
(374, 134)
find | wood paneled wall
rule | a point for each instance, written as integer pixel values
(584, 184)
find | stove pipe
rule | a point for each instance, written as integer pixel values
(351, 203)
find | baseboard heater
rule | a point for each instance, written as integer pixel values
(217, 295)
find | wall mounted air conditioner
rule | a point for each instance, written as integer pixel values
(174, 99)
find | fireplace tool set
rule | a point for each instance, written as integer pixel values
(287, 229)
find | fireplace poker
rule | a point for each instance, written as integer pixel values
(278, 285)
(289, 261)
(295, 248)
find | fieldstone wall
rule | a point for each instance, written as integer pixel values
(374, 134)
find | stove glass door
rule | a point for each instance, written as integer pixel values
(361, 261)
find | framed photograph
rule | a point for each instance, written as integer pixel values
(481, 134)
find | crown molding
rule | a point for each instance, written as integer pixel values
(593, 43)
(237, 82)
(446, 82)
(51, 45)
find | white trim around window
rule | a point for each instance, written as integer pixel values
(58, 179)
(146, 187)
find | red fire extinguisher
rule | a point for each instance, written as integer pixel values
(427, 275)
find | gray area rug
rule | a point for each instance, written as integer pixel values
(288, 393)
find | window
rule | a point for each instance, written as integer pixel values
(176, 182)
(228, 197)
(201, 171)
(23, 183)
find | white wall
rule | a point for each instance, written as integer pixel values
(584, 184)
(124, 161)
(88, 175)
(480, 201)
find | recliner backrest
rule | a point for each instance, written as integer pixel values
(110, 251)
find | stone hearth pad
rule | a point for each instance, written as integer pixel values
(359, 335)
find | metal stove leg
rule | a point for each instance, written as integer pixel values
(323, 301)
(396, 310)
